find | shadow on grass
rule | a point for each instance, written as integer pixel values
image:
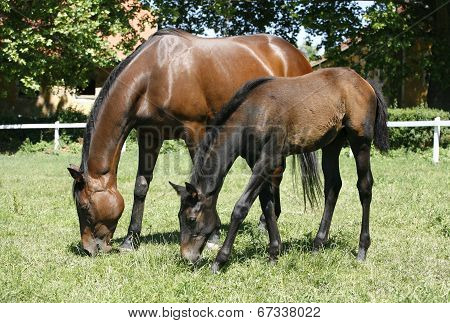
(76, 249)
(257, 247)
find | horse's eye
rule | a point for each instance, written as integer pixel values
(190, 220)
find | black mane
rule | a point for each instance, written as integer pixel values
(98, 104)
(221, 117)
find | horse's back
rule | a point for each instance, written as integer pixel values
(313, 106)
(192, 77)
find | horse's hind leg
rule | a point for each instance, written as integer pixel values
(333, 184)
(361, 151)
(149, 145)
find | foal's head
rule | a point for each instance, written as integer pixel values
(198, 220)
(99, 210)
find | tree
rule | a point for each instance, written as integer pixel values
(398, 38)
(402, 39)
(228, 17)
(59, 42)
(54, 42)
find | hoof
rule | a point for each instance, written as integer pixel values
(361, 255)
(318, 245)
(215, 268)
(273, 261)
(316, 248)
(127, 245)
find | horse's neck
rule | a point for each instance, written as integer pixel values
(210, 174)
(107, 137)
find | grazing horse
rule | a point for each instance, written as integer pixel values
(168, 88)
(269, 119)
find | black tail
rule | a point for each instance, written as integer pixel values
(381, 140)
(311, 183)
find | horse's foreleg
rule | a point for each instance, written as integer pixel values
(277, 177)
(149, 146)
(333, 184)
(260, 175)
(361, 150)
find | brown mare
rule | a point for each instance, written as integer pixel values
(269, 119)
(168, 88)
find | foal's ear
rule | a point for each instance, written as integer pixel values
(178, 188)
(191, 190)
(75, 173)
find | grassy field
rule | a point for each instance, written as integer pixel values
(407, 262)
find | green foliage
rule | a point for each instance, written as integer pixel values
(12, 140)
(417, 138)
(61, 42)
(383, 36)
(71, 115)
(310, 51)
(40, 146)
(173, 146)
(227, 18)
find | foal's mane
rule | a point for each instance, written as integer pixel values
(98, 104)
(221, 118)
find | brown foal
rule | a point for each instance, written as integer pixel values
(269, 119)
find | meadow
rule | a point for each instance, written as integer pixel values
(409, 260)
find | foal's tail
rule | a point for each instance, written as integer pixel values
(311, 183)
(381, 140)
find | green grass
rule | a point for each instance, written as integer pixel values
(407, 262)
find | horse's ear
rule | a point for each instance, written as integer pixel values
(191, 190)
(76, 173)
(178, 188)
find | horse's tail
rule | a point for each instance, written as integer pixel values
(311, 183)
(381, 138)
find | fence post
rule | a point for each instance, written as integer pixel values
(56, 146)
(436, 140)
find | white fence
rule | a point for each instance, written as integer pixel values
(57, 125)
(437, 123)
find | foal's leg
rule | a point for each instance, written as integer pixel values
(266, 198)
(149, 145)
(361, 151)
(261, 173)
(333, 184)
(277, 177)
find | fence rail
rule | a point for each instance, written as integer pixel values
(437, 123)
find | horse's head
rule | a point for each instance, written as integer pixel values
(198, 220)
(99, 208)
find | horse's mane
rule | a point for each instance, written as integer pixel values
(220, 118)
(98, 104)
